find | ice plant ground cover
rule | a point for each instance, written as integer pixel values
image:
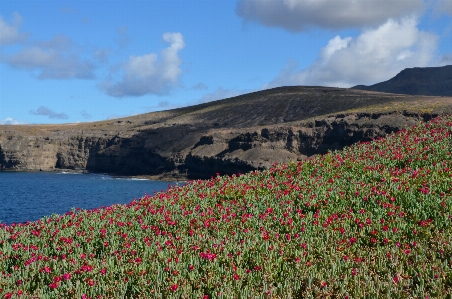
(371, 221)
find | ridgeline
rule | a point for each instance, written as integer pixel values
(239, 134)
(429, 81)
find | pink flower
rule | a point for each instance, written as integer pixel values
(66, 276)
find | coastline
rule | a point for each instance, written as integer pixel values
(164, 177)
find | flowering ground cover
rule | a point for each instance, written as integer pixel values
(371, 221)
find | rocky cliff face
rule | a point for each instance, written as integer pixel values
(193, 143)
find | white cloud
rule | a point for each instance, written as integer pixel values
(147, 74)
(375, 55)
(9, 34)
(221, 94)
(53, 59)
(10, 121)
(44, 111)
(299, 15)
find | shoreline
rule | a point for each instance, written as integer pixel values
(164, 177)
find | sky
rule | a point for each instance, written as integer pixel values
(66, 61)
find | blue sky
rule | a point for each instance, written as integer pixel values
(77, 61)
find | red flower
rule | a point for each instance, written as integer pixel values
(66, 276)
(90, 281)
(174, 287)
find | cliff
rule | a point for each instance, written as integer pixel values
(239, 134)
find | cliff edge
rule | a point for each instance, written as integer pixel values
(228, 136)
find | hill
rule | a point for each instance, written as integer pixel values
(238, 134)
(429, 81)
(371, 221)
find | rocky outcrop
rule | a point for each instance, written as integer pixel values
(193, 143)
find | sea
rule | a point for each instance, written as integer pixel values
(30, 196)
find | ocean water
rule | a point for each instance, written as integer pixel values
(29, 196)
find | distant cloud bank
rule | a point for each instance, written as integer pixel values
(374, 56)
(296, 15)
(44, 111)
(390, 39)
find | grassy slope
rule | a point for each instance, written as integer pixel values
(371, 221)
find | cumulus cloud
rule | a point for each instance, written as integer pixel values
(147, 74)
(9, 33)
(221, 93)
(299, 15)
(44, 111)
(85, 114)
(53, 59)
(10, 121)
(375, 55)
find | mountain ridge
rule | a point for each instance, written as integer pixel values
(429, 81)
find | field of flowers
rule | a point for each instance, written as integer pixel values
(371, 221)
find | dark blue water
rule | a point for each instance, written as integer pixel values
(28, 196)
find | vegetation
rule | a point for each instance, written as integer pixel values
(372, 221)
